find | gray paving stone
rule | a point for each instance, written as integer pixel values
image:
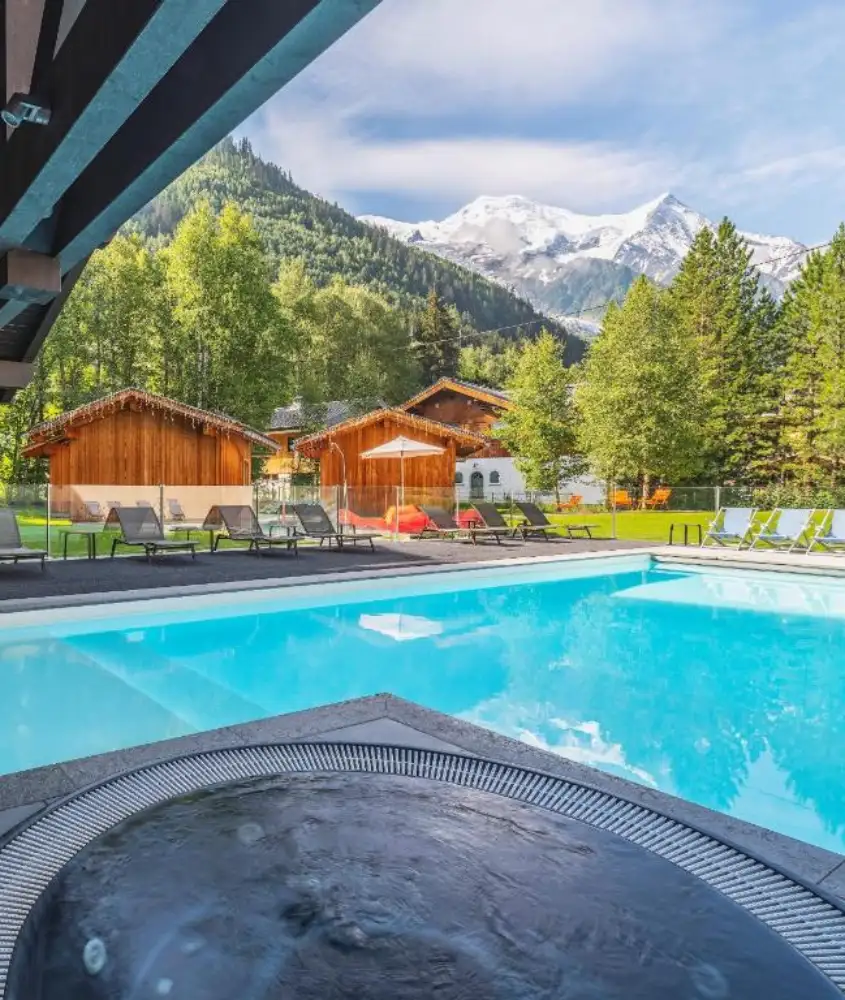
(297, 725)
(35, 785)
(9, 818)
(835, 881)
(386, 731)
(85, 770)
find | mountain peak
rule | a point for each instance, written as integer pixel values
(567, 262)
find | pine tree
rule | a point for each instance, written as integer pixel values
(639, 397)
(436, 343)
(813, 323)
(728, 323)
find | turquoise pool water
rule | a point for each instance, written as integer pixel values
(726, 688)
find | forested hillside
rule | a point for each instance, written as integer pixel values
(296, 224)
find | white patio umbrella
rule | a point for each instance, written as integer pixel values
(402, 447)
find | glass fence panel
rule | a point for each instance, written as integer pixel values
(28, 522)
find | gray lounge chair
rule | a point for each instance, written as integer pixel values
(141, 528)
(240, 524)
(787, 527)
(92, 511)
(11, 546)
(314, 522)
(536, 522)
(441, 524)
(731, 525)
(175, 509)
(494, 521)
(830, 534)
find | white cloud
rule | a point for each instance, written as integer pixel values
(333, 161)
(433, 56)
(734, 105)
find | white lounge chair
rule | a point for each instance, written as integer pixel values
(830, 533)
(787, 527)
(736, 524)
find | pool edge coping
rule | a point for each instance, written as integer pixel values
(773, 561)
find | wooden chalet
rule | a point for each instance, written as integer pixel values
(372, 483)
(124, 446)
(294, 421)
(474, 407)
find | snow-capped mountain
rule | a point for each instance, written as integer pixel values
(570, 264)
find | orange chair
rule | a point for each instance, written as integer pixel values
(659, 500)
(622, 498)
(573, 503)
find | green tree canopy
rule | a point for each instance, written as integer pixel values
(540, 430)
(639, 398)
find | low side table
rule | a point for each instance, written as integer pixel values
(686, 525)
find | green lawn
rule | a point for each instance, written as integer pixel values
(638, 525)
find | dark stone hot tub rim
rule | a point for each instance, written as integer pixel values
(804, 916)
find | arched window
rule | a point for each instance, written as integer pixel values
(459, 479)
(494, 479)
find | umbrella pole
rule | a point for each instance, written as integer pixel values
(401, 502)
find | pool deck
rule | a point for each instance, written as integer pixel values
(379, 718)
(84, 581)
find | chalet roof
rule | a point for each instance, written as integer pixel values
(297, 415)
(53, 430)
(313, 444)
(496, 397)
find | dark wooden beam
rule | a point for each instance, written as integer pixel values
(46, 47)
(248, 53)
(115, 54)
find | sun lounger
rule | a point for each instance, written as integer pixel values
(830, 534)
(536, 522)
(493, 520)
(622, 498)
(659, 500)
(314, 522)
(92, 511)
(241, 524)
(11, 546)
(441, 524)
(572, 504)
(731, 525)
(140, 528)
(175, 510)
(787, 527)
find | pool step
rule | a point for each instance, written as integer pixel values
(199, 701)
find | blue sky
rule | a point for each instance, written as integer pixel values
(735, 106)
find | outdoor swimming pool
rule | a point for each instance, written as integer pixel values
(722, 686)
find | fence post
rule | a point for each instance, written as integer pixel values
(718, 499)
(161, 505)
(613, 510)
(49, 507)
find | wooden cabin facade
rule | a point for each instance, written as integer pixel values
(134, 439)
(474, 407)
(339, 449)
